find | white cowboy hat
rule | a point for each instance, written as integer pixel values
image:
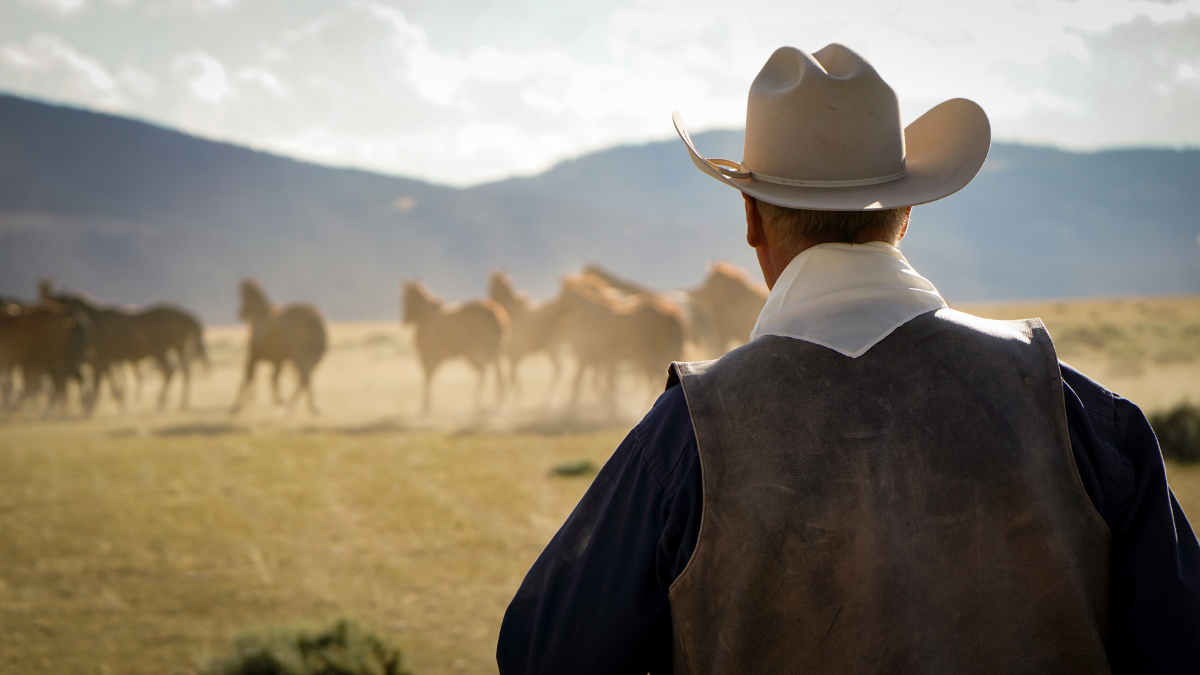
(823, 133)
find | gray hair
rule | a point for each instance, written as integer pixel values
(795, 227)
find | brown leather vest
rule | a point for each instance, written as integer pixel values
(914, 510)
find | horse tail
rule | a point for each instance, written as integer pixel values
(202, 353)
(195, 343)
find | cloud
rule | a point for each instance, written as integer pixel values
(470, 90)
(59, 7)
(1137, 83)
(204, 75)
(46, 65)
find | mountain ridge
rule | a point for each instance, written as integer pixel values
(135, 213)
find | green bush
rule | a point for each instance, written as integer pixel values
(342, 649)
(1178, 431)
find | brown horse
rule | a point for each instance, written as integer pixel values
(43, 343)
(699, 327)
(605, 328)
(295, 333)
(735, 301)
(478, 330)
(170, 335)
(533, 326)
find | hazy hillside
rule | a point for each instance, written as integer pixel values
(1036, 223)
(137, 213)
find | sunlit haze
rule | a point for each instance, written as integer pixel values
(465, 91)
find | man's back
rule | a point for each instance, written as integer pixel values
(883, 514)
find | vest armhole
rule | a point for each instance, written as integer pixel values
(678, 378)
(1042, 338)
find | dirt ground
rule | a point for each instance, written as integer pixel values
(140, 541)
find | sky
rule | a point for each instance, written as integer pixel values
(461, 92)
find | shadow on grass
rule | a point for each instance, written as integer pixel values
(201, 429)
(384, 426)
(568, 424)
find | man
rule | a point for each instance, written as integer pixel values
(874, 483)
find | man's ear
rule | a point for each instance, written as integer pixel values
(904, 227)
(755, 236)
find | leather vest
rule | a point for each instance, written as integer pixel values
(914, 510)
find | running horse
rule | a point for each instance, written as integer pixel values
(295, 334)
(533, 327)
(478, 330)
(42, 342)
(121, 335)
(605, 328)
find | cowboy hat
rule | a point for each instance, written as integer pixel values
(823, 133)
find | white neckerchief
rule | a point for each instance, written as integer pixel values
(846, 297)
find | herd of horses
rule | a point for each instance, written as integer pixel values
(70, 337)
(603, 321)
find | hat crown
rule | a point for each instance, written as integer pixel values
(827, 116)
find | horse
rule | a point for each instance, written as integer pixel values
(478, 330)
(43, 342)
(699, 325)
(295, 333)
(122, 336)
(735, 301)
(605, 328)
(533, 326)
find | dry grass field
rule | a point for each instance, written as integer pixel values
(144, 542)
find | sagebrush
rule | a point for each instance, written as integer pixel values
(342, 649)
(1178, 432)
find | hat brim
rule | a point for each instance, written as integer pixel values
(944, 150)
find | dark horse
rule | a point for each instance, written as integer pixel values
(123, 336)
(294, 333)
(45, 342)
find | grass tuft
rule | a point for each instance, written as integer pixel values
(1178, 431)
(341, 649)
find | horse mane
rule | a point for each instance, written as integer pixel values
(503, 291)
(615, 282)
(723, 271)
(419, 300)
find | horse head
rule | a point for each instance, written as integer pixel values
(502, 290)
(255, 304)
(419, 301)
(45, 288)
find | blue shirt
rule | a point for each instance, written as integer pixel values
(596, 599)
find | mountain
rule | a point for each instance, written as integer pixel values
(1035, 223)
(136, 213)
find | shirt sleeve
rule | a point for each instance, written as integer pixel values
(595, 601)
(1154, 598)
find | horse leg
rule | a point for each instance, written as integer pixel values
(86, 399)
(576, 386)
(275, 382)
(116, 390)
(244, 389)
(610, 391)
(479, 382)
(512, 375)
(31, 383)
(291, 404)
(168, 370)
(5, 387)
(185, 369)
(554, 376)
(58, 395)
(427, 387)
(136, 368)
(501, 384)
(312, 403)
